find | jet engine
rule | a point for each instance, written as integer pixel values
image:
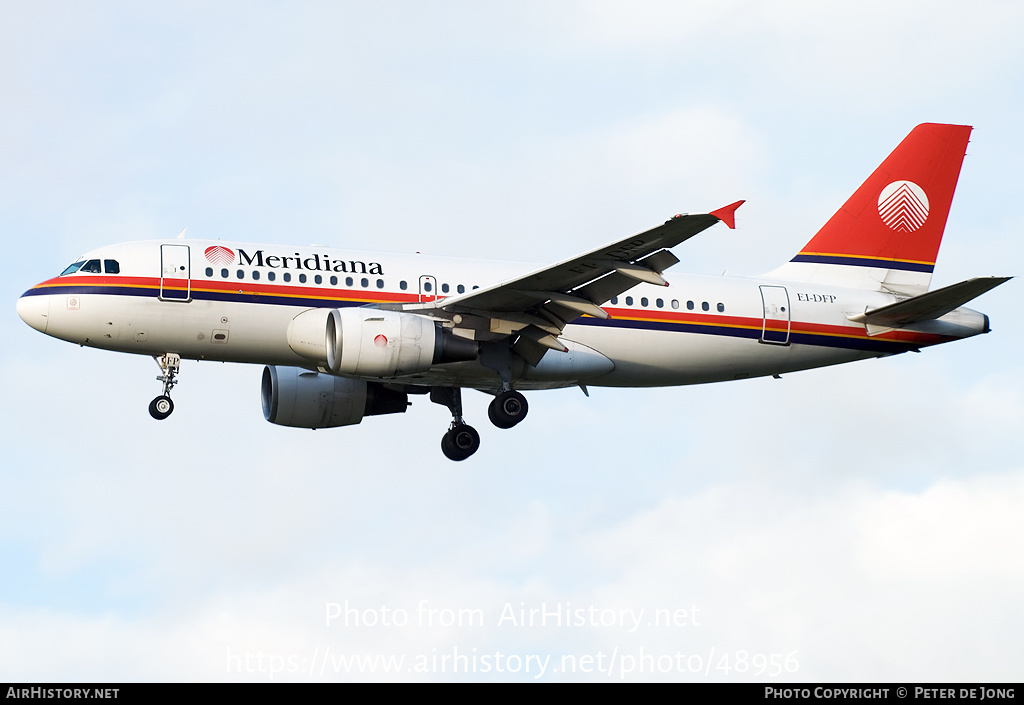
(293, 396)
(369, 342)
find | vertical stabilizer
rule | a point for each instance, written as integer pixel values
(887, 235)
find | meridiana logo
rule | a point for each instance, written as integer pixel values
(903, 206)
(218, 254)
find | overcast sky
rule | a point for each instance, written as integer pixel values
(857, 523)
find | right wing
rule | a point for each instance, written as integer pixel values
(538, 305)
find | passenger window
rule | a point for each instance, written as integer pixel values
(271, 276)
(643, 301)
(461, 289)
(705, 307)
(209, 271)
(675, 303)
(348, 281)
(403, 285)
(380, 283)
(721, 308)
(615, 301)
(287, 276)
(660, 303)
(255, 274)
(110, 266)
(444, 288)
(427, 287)
(629, 300)
(318, 279)
(689, 305)
(302, 279)
(334, 281)
(364, 282)
(241, 274)
(224, 274)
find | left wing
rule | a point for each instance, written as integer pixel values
(540, 304)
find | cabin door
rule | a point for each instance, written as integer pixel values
(776, 315)
(175, 281)
(428, 288)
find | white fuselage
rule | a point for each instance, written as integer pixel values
(190, 298)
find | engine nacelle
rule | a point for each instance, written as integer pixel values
(374, 343)
(293, 396)
(369, 342)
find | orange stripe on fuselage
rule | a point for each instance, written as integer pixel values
(617, 314)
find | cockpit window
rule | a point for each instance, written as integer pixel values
(92, 267)
(72, 268)
(110, 266)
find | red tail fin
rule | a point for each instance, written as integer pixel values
(893, 223)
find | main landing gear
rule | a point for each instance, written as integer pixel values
(161, 407)
(462, 440)
(507, 409)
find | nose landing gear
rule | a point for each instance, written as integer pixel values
(161, 407)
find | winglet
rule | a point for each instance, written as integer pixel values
(728, 214)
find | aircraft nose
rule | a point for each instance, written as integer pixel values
(35, 311)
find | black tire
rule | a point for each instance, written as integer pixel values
(161, 407)
(446, 447)
(507, 409)
(460, 442)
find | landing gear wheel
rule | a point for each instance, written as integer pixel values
(460, 442)
(161, 407)
(507, 409)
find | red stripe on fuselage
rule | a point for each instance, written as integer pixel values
(368, 296)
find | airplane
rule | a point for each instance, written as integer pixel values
(346, 334)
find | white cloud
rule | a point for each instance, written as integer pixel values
(852, 585)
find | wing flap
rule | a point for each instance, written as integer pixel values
(617, 282)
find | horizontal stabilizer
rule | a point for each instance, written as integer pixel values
(926, 307)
